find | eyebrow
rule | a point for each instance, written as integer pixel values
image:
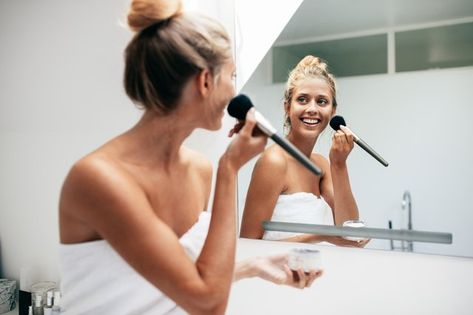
(308, 94)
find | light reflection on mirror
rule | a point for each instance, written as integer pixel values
(416, 111)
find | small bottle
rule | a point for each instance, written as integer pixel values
(38, 305)
(48, 310)
(56, 310)
(38, 295)
(30, 310)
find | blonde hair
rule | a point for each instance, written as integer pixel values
(309, 67)
(169, 48)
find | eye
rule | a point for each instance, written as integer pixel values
(322, 101)
(302, 100)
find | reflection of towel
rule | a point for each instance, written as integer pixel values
(300, 207)
(97, 280)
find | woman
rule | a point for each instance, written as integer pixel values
(281, 189)
(134, 236)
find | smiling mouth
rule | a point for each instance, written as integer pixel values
(310, 121)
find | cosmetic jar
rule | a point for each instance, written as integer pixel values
(305, 259)
(355, 224)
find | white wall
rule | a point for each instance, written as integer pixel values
(61, 97)
(419, 122)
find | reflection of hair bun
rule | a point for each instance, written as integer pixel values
(312, 61)
(144, 13)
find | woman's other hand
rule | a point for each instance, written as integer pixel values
(340, 241)
(342, 144)
(247, 144)
(274, 268)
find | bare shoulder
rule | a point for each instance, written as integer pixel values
(272, 159)
(198, 161)
(316, 157)
(94, 179)
(320, 161)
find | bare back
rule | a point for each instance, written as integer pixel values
(176, 198)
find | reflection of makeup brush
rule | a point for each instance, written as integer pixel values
(238, 108)
(338, 121)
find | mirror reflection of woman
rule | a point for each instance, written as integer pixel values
(281, 189)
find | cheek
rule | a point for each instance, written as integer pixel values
(329, 111)
(231, 89)
(228, 93)
(333, 111)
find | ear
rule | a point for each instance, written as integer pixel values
(204, 82)
(287, 107)
(334, 110)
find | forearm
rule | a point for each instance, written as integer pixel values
(216, 261)
(244, 269)
(345, 207)
(305, 238)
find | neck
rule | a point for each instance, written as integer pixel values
(156, 140)
(304, 144)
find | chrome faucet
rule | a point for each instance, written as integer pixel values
(407, 205)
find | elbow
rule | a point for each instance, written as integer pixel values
(251, 233)
(211, 301)
(216, 310)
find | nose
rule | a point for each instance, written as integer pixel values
(312, 106)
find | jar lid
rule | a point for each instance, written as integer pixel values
(43, 286)
(354, 223)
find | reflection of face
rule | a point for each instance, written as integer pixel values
(311, 107)
(222, 93)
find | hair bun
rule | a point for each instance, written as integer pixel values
(310, 61)
(144, 13)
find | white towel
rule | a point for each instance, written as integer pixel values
(300, 207)
(97, 280)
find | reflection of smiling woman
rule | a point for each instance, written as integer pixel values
(283, 190)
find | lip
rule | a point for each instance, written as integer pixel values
(317, 121)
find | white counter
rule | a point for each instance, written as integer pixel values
(360, 281)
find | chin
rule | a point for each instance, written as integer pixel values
(310, 133)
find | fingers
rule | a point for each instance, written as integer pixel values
(343, 137)
(307, 278)
(289, 275)
(236, 129)
(348, 134)
(250, 123)
(342, 144)
(314, 274)
(362, 243)
(357, 243)
(302, 279)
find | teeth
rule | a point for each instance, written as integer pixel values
(310, 121)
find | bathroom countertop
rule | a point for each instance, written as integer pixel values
(359, 281)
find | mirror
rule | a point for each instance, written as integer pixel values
(403, 72)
